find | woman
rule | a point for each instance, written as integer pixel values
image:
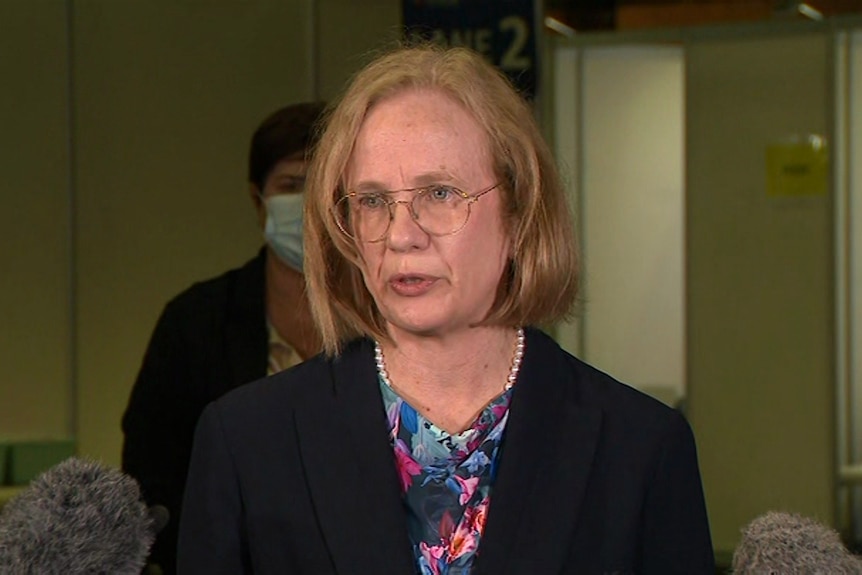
(440, 432)
(225, 331)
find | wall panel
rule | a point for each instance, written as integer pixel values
(167, 95)
(760, 329)
(35, 255)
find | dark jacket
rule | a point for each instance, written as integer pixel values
(209, 339)
(295, 474)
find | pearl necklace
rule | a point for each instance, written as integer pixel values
(510, 381)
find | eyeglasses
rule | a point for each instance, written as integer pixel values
(440, 210)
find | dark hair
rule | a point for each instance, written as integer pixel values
(289, 131)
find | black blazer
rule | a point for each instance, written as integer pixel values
(294, 474)
(209, 339)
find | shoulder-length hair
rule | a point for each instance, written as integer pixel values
(541, 281)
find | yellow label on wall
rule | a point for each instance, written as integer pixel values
(798, 169)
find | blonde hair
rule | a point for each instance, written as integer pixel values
(541, 281)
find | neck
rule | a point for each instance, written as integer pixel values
(287, 306)
(450, 380)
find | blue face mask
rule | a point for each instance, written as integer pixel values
(283, 228)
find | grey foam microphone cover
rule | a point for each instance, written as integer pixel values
(78, 517)
(779, 543)
(160, 517)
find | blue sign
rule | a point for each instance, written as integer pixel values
(503, 30)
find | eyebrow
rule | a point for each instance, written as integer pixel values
(289, 177)
(420, 181)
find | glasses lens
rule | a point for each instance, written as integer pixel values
(441, 210)
(363, 217)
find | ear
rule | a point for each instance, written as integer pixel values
(254, 193)
(259, 206)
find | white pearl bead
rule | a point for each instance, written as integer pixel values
(510, 381)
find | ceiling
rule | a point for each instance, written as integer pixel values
(631, 14)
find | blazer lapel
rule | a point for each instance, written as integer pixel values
(351, 471)
(544, 467)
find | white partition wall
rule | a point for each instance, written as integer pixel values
(627, 103)
(567, 133)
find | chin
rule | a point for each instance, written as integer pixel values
(417, 327)
(429, 326)
(426, 316)
(418, 324)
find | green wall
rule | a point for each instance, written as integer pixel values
(760, 280)
(125, 130)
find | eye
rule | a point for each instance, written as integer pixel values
(440, 193)
(370, 201)
(290, 185)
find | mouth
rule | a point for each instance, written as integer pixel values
(410, 279)
(411, 284)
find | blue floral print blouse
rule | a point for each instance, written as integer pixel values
(446, 481)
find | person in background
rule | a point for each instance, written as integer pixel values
(227, 331)
(441, 432)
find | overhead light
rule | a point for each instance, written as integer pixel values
(809, 11)
(794, 8)
(559, 27)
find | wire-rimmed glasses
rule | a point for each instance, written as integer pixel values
(439, 209)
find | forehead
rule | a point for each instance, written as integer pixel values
(288, 167)
(417, 136)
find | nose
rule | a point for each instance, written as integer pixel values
(404, 230)
(393, 209)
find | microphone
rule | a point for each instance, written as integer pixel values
(77, 517)
(789, 544)
(160, 515)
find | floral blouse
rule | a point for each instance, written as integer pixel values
(446, 481)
